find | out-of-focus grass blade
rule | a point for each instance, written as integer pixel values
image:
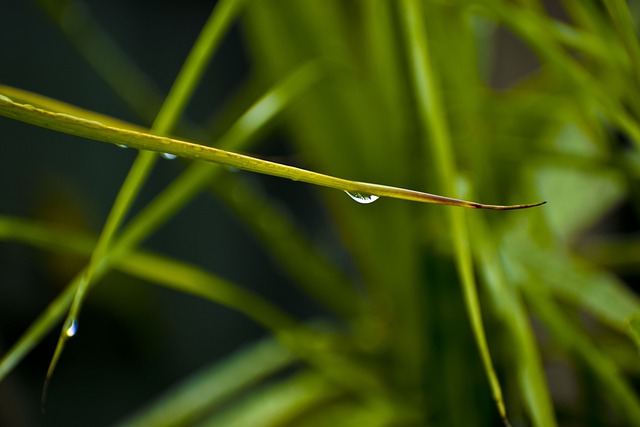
(593, 290)
(193, 280)
(154, 268)
(624, 25)
(309, 400)
(306, 398)
(206, 390)
(618, 253)
(509, 306)
(434, 124)
(574, 210)
(634, 329)
(276, 404)
(614, 387)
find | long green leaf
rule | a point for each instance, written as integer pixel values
(144, 141)
(154, 268)
(208, 389)
(509, 306)
(434, 124)
(169, 114)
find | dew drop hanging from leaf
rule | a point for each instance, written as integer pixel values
(363, 198)
(72, 329)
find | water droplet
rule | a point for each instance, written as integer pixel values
(72, 329)
(363, 198)
(169, 156)
(123, 146)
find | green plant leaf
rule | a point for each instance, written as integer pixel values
(154, 268)
(144, 141)
(614, 387)
(213, 386)
(509, 306)
(169, 115)
(434, 124)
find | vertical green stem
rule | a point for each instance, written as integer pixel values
(434, 123)
(181, 91)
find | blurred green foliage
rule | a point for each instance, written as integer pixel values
(434, 315)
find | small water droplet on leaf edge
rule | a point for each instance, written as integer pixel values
(363, 198)
(72, 329)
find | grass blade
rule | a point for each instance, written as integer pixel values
(169, 114)
(514, 316)
(208, 389)
(154, 268)
(144, 141)
(614, 386)
(434, 124)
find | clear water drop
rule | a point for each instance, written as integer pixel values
(72, 329)
(123, 146)
(169, 156)
(363, 198)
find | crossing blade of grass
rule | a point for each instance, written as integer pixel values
(210, 388)
(192, 70)
(172, 199)
(340, 371)
(193, 280)
(434, 125)
(153, 268)
(509, 306)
